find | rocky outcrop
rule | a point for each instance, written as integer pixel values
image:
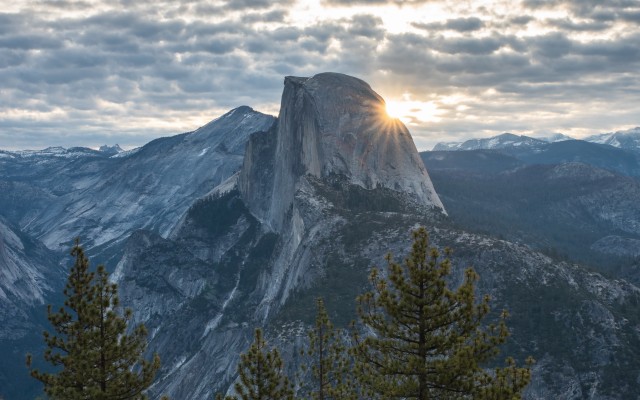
(330, 125)
(28, 272)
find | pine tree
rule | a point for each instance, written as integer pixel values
(261, 373)
(330, 365)
(426, 340)
(94, 356)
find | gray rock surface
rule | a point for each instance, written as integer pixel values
(330, 124)
(28, 274)
(84, 192)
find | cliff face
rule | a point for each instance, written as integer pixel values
(322, 195)
(28, 274)
(330, 125)
(29, 278)
(105, 199)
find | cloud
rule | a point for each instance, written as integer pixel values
(29, 42)
(254, 4)
(566, 24)
(458, 24)
(78, 73)
(376, 2)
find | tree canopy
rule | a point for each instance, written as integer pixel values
(426, 340)
(93, 355)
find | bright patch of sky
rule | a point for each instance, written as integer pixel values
(103, 72)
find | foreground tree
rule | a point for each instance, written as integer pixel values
(329, 363)
(261, 373)
(428, 341)
(94, 355)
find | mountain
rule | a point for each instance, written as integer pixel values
(598, 155)
(246, 250)
(29, 276)
(482, 161)
(556, 137)
(572, 209)
(539, 152)
(316, 204)
(628, 140)
(505, 140)
(57, 194)
(29, 272)
(330, 126)
(49, 197)
(110, 150)
(248, 220)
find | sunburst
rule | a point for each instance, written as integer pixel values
(412, 111)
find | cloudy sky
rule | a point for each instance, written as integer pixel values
(126, 71)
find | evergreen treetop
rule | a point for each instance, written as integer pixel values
(94, 356)
(331, 377)
(427, 341)
(261, 374)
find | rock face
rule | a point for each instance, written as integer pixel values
(330, 125)
(105, 199)
(28, 273)
(110, 150)
(29, 277)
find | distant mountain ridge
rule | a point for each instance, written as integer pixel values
(106, 195)
(629, 139)
(111, 150)
(626, 140)
(570, 208)
(497, 142)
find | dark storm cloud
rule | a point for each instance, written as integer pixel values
(631, 16)
(255, 4)
(468, 45)
(10, 21)
(356, 2)
(521, 20)
(29, 42)
(65, 5)
(551, 45)
(377, 2)
(366, 25)
(458, 24)
(567, 24)
(11, 58)
(600, 10)
(271, 16)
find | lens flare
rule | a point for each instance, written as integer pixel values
(395, 109)
(411, 111)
